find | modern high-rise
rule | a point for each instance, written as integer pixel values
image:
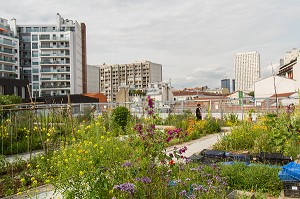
(247, 70)
(225, 83)
(9, 51)
(135, 75)
(53, 57)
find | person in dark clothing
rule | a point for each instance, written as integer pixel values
(198, 112)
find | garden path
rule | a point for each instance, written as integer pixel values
(196, 146)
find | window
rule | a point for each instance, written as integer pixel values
(35, 70)
(35, 53)
(28, 29)
(35, 46)
(35, 78)
(16, 90)
(35, 86)
(23, 92)
(2, 89)
(45, 37)
(36, 29)
(35, 63)
(34, 38)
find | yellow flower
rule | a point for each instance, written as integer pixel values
(22, 180)
(81, 173)
(102, 137)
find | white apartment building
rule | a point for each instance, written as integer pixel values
(135, 75)
(53, 57)
(247, 70)
(9, 50)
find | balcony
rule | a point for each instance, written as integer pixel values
(7, 52)
(55, 79)
(51, 87)
(55, 71)
(11, 61)
(54, 47)
(54, 55)
(54, 62)
(8, 70)
(55, 39)
(10, 44)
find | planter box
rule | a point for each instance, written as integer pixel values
(291, 189)
(213, 154)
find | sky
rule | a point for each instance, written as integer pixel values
(194, 40)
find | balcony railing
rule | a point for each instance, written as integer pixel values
(8, 43)
(54, 71)
(54, 78)
(55, 39)
(8, 69)
(54, 62)
(54, 86)
(7, 52)
(54, 55)
(60, 46)
(7, 60)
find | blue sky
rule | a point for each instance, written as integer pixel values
(194, 40)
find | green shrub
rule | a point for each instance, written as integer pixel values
(120, 116)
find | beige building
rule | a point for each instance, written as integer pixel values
(135, 75)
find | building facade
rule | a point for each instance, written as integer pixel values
(53, 57)
(289, 65)
(247, 70)
(135, 75)
(9, 51)
(93, 79)
(225, 83)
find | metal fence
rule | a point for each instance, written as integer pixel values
(216, 107)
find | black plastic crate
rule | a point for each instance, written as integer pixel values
(274, 158)
(291, 189)
(213, 154)
(238, 157)
(196, 158)
(271, 156)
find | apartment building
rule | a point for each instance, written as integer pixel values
(53, 57)
(247, 70)
(9, 51)
(135, 75)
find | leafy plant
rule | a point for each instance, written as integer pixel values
(120, 116)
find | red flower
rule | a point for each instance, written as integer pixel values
(172, 162)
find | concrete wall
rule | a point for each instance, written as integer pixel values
(265, 87)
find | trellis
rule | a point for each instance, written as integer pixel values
(29, 119)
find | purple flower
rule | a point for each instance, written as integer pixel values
(126, 187)
(126, 164)
(146, 180)
(182, 193)
(138, 179)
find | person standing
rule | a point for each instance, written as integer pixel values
(198, 112)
